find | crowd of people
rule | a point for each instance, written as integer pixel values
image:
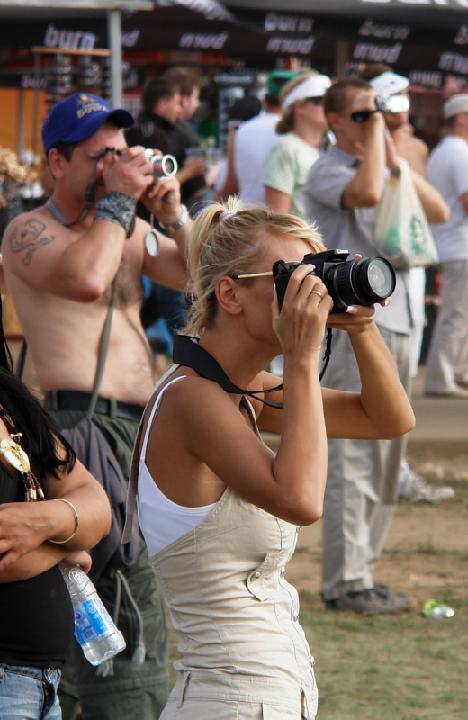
(218, 512)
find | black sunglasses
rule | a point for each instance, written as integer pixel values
(314, 100)
(361, 116)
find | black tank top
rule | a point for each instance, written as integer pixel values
(36, 615)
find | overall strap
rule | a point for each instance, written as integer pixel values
(102, 352)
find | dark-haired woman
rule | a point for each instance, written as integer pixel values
(51, 510)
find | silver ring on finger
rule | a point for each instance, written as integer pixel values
(317, 293)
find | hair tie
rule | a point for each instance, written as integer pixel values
(226, 214)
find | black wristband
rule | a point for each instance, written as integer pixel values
(117, 207)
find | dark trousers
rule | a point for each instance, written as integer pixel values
(134, 691)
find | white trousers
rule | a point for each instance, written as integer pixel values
(447, 362)
(363, 481)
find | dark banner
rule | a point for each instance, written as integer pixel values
(67, 34)
(425, 13)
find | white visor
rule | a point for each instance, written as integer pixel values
(389, 83)
(314, 86)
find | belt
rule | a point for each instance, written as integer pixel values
(80, 400)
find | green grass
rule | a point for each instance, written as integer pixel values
(392, 668)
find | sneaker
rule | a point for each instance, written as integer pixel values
(378, 600)
(455, 393)
(417, 489)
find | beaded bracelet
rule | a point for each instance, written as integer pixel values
(77, 522)
(118, 208)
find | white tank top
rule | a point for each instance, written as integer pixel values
(162, 521)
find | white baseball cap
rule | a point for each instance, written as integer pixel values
(389, 83)
(456, 104)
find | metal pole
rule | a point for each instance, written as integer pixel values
(20, 123)
(35, 107)
(114, 32)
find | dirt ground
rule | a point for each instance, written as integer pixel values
(426, 553)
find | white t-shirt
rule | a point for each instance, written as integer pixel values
(447, 170)
(253, 142)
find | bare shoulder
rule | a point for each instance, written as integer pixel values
(421, 147)
(26, 233)
(192, 397)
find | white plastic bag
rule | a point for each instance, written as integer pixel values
(402, 234)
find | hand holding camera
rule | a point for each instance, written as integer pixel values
(127, 171)
(363, 281)
(332, 284)
(133, 170)
(306, 304)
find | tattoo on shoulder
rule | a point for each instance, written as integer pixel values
(27, 237)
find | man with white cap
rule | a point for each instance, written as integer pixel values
(394, 88)
(302, 126)
(341, 194)
(447, 365)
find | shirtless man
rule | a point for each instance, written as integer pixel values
(60, 261)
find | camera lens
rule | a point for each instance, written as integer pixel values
(379, 278)
(164, 165)
(360, 282)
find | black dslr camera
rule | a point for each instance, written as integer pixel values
(349, 282)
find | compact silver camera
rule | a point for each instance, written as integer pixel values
(163, 165)
(392, 103)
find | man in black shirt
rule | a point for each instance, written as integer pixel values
(192, 185)
(157, 128)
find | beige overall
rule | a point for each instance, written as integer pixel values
(242, 652)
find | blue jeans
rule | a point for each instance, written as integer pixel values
(28, 693)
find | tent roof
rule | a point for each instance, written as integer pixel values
(424, 12)
(44, 9)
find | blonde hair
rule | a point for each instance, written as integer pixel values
(286, 124)
(227, 240)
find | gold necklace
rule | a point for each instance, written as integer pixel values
(19, 460)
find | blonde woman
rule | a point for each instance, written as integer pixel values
(219, 511)
(302, 126)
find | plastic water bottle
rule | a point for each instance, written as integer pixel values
(95, 630)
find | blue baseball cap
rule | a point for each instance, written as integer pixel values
(77, 118)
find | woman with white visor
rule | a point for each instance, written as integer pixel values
(302, 126)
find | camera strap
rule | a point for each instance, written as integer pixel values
(188, 352)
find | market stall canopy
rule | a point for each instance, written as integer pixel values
(435, 13)
(70, 24)
(426, 37)
(212, 9)
(190, 25)
(40, 9)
